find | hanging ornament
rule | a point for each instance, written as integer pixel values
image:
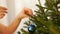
(31, 28)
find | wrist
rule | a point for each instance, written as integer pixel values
(19, 17)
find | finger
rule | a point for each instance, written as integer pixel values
(3, 8)
(4, 11)
(28, 11)
(2, 15)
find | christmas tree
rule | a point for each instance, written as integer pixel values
(46, 20)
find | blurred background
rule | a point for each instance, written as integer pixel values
(14, 7)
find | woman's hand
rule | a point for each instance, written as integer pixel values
(24, 12)
(2, 11)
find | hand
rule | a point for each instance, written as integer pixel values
(24, 12)
(2, 11)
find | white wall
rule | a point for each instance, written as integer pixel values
(11, 9)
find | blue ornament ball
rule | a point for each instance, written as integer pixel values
(31, 28)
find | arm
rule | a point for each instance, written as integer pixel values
(12, 27)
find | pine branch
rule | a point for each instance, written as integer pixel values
(54, 30)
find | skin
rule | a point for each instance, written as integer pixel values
(12, 27)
